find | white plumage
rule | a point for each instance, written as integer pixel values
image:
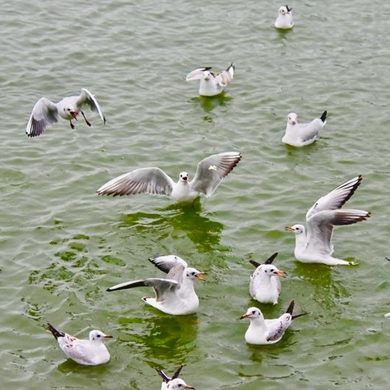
(211, 84)
(209, 175)
(314, 243)
(45, 112)
(91, 352)
(174, 295)
(302, 134)
(265, 284)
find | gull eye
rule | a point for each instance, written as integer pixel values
(253, 312)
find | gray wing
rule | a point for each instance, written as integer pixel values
(160, 285)
(225, 77)
(212, 170)
(141, 181)
(176, 273)
(320, 227)
(277, 327)
(197, 74)
(308, 131)
(44, 114)
(336, 198)
(87, 98)
(167, 262)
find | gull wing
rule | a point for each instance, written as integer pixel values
(167, 262)
(177, 272)
(197, 74)
(87, 98)
(44, 114)
(159, 285)
(225, 77)
(320, 227)
(163, 375)
(277, 327)
(310, 130)
(336, 198)
(141, 181)
(78, 350)
(212, 170)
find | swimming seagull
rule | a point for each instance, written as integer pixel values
(173, 383)
(45, 112)
(211, 84)
(265, 284)
(90, 352)
(302, 134)
(262, 332)
(174, 295)
(153, 180)
(284, 19)
(314, 244)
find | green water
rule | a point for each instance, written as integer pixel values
(62, 245)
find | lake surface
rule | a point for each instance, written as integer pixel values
(62, 245)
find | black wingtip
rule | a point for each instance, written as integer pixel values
(255, 263)
(177, 372)
(324, 116)
(271, 258)
(288, 9)
(299, 315)
(56, 333)
(290, 308)
(164, 377)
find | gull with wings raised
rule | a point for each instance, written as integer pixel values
(45, 112)
(155, 181)
(212, 84)
(313, 244)
(175, 294)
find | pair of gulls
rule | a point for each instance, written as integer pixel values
(313, 242)
(46, 112)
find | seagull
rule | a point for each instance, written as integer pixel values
(90, 352)
(265, 285)
(263, 332)
(174, 295)
(314, 245)
(174, 383)
(45, 112)
(302, 134)
(284, 20)
(155, 181)
(211, 84)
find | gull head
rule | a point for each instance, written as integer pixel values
(97, 335)
(297, 229)
(70, 112)
(292, 118)
(193, 273)
(270, 270)
(285, 10)
(206, 75)
(183, 177)
(178, 384)
(253, 313)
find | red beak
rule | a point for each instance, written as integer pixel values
(74, 114)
